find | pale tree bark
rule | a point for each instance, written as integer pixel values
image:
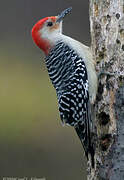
(107, 42)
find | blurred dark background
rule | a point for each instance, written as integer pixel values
(32, 141)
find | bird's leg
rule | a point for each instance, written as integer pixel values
(118, 74)
(106, 73)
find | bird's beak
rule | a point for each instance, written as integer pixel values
(63, 14)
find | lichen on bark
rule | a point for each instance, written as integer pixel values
(107, 43)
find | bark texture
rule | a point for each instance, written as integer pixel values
(107, 35)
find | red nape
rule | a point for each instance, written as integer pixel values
(36, 36)
(42, 44)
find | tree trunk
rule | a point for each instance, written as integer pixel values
(107, 35)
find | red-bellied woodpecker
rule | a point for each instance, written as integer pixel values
(71, 69)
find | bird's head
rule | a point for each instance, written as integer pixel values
(48, 30)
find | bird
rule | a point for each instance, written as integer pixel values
(71, 69)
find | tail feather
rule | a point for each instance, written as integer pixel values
(86, 143)
(83, 130)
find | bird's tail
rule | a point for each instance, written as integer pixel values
(83, 130)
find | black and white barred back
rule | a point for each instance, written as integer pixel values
(68, 74)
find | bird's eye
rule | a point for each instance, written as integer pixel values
(49, 23)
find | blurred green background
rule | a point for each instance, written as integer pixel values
(33, 143)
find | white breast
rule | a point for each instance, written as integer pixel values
(85, 52)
